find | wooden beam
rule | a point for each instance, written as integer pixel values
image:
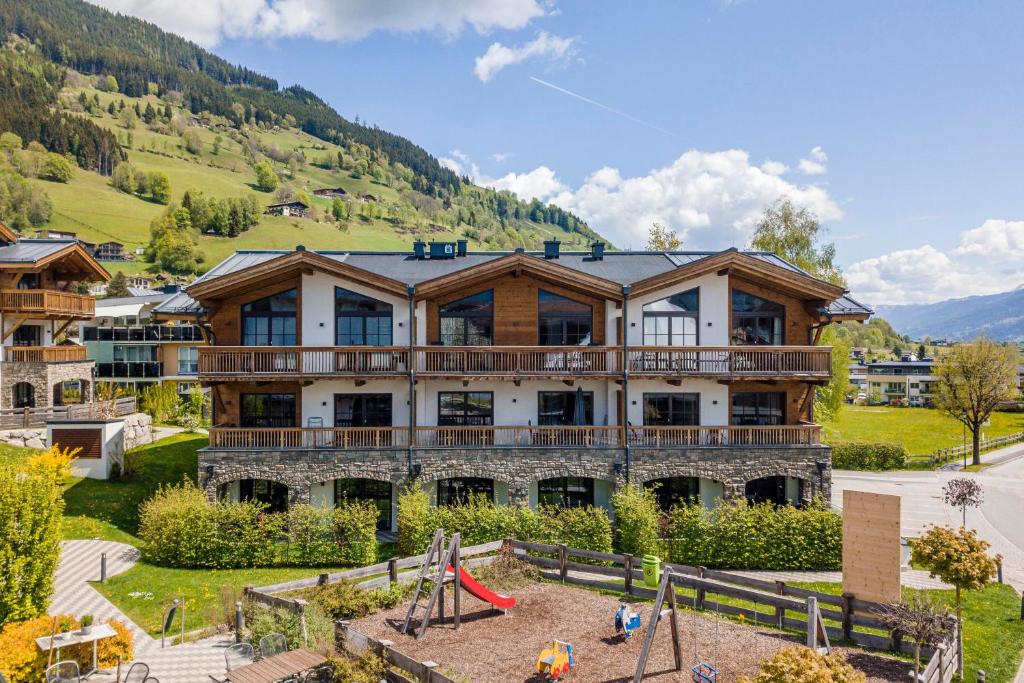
(808, 394)
(19, 323)
(569, 382)
(817, 334)
(62, 328)
(675, 382)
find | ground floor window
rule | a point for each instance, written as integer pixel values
(69, 392)
(566, 491)
(267, 410)
(372, 490)
(271, 493)
(672, 491)
(24, 395)
(674, 410)
(774, 490)
(457, 491)
(758, 408)
(565, 408)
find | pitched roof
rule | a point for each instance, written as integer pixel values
(32, 250)
(28, 253)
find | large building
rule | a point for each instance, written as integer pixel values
(40, 367)
(527, 377)
(133, 348)
(902, 382)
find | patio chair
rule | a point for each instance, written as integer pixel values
(63, 672)
(238, 655)
(151, 680)
(138, 673)
(273, 644)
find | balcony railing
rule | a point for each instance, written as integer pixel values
(732, 361)
(314, 437)
(732, 435)
(518, 361)
(44, 354)
(513, 436)
(143, 333)
(129, 369)
(246, 362)
(46, 302)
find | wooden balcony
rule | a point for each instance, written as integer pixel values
(518, 361)
(246, 363)
(732, 362)
(44, 354)
(313, 437)
(731, 435)
(45, 303)
(521, 436)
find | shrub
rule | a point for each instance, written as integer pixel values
(346, 534)
(738, 535)
(346, 600)
(30, 532)
(414, 530)
(798, 664)
(355, 532)
(478, 521)
(869, 456)
(160, 400)
(368, 668)
(636, 521)
(587, 528)
(319, 627)
(21, 661)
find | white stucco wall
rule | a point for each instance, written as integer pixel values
(512, 405)
(714, 398)
(318, 309)
(318, 398)
(713, 320)
(111, 446)
(46, 334)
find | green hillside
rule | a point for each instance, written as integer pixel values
(205, 127)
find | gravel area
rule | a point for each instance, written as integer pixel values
(492, 646)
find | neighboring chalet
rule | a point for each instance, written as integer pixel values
(112, 251)
(297, 209)
(55, 235)
(367, 197)
(36, 307)
(531, 378)
(331, 192)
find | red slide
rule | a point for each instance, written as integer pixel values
(478, 590)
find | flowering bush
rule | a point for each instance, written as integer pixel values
(21, 661)
(798, 664)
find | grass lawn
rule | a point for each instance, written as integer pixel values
(920, 430)
(109, 509)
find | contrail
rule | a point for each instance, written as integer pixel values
(623, 114)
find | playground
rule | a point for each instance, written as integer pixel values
(497, 645)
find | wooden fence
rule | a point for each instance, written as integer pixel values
(943, 663)
(13, 418)
(944, 455)
(357, 643)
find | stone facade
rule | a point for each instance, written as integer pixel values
(138, 430)
(43, 377)
(518, 467)
(31, 437)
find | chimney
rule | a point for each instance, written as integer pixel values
(551, 249)
(419, 250)
(597, 251)
(461, 249)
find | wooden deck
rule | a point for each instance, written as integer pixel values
(44, 354)
(45, 303)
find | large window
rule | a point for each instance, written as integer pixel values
(271, 493)
(457, 491)
(469, 321)
(565, 408)
(564, 322)
(24, 395)
(673, 321)
(376, 492)
(28, 335)
(267, 410)
(360, 320)
(188, 360)
(672, 491)
(465, 408)
(566, 491)
(679, 410)
(270, 321)
(756, 320)
(362, 410)
(758, 408)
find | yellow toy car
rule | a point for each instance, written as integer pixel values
(555, 661)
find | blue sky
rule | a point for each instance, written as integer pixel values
(899, 123)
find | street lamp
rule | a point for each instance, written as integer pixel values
(963, 423)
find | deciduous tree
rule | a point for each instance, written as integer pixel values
(662, 238)
(793, 233)
(963, 493)
(921, 618)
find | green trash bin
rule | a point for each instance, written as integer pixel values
(652, 570)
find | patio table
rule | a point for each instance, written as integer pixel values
(69, 638)
(277, 667)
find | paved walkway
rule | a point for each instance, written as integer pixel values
(79, 564)
(911, 578)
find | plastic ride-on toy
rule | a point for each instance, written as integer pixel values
(625, 621)
(555, 661)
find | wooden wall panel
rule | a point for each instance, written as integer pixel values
(795, 393)
(797, 328)
(871, 546)
(89, 440)
(226, 318)
(516, 310)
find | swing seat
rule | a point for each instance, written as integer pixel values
(704, 673)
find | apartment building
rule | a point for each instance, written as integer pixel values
(40, 367)
(902, 381)
(527, 377)
(133, 348)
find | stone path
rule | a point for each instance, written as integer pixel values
(79, 564)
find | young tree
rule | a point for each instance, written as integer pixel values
(266, 179)
(921, 352)
(793, 234)
(127, 117)
(337, 208)
(972, 379)
(193, 143)
(662, 238)
(963, 493)
(110, 83)
(957, 558)
(149, 115)
(55, 167)
(159, 187)
(118, 286)
(920, 618)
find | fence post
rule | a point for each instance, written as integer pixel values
(942, 661)
(301, 605)
(812, 623)
(780, 611)
(103, 567)
(981, 676)
(428, 667)
(392, 571)
(999, 569)
(629, 574)
(701, 592)
(239, 622)
(562, 559)
(847, 616)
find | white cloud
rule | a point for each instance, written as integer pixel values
(498, 56)
(209, 21)
(501, 157)
(987, 260)
(540, 183)
(814, 163)
(774, 167)
(459, 162)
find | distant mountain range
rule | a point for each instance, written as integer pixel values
(996, 316)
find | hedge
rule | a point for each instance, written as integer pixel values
(178, 527)
(868, 456)
(637, 518)
(738, 535)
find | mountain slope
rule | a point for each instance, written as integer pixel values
(997, 316)
(108, 90)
